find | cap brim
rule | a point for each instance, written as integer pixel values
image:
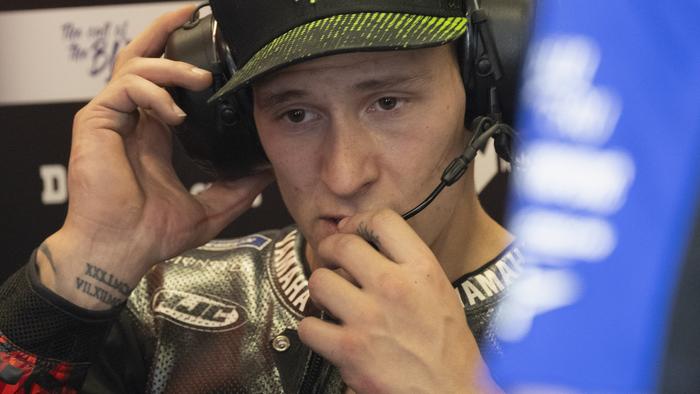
(345, 33)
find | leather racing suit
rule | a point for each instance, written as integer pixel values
(220, 318)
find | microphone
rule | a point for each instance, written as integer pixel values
(484, 127)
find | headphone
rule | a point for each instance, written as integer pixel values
(221, 138)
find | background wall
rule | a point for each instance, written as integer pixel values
(54, 57)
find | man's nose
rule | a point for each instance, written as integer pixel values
(349, 158)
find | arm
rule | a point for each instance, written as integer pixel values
(127, 210)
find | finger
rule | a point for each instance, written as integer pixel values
(389, 233)
(346, 275)
(225, 201)
(150, 42)
(151, 140)
(323, 338)
(149, 150)
(353, 254)
(165, 72)
(336, 295)
(131, 92)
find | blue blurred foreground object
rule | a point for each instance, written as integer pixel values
(604, 196)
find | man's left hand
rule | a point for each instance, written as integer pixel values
(400, 325)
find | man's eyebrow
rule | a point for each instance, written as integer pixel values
(279, 98)
(275, 99)
(393, 81)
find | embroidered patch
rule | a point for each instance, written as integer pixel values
(255, 241)
(201, 312)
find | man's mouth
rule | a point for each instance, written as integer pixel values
(334, 219)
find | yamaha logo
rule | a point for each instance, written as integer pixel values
(198, 312)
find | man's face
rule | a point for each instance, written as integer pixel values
(361, 131)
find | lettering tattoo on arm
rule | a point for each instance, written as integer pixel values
(104, 294)
(368, 235)
(107, 278)
(107, 293)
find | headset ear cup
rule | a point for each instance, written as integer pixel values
(500, 34)
(494, 53)
(220, 138)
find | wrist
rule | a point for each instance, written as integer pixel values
(86, 273)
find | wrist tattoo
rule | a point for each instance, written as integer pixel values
(43, 248)
(368, 235)
(104, 294)
(97, 292)
(107, 278)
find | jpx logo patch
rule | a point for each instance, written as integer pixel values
(198, 312)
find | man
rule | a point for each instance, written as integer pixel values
(355, 138)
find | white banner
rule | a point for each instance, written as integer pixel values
(66, 54)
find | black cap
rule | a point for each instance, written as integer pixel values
(266, 35)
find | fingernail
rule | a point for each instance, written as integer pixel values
(343, 221)
(199, 71)
(178, 111)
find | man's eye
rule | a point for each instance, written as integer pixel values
(387, 103)
(296, 115)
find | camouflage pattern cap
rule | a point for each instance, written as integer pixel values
(266, 35)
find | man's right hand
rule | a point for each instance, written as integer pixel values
(127, 209)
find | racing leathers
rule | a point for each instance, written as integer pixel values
(220, 318)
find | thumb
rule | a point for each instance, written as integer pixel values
(224, 201)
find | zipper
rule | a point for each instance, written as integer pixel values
(315, 375)
(312, 374)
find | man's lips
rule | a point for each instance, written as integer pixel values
(332, 218)
(330, 222)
